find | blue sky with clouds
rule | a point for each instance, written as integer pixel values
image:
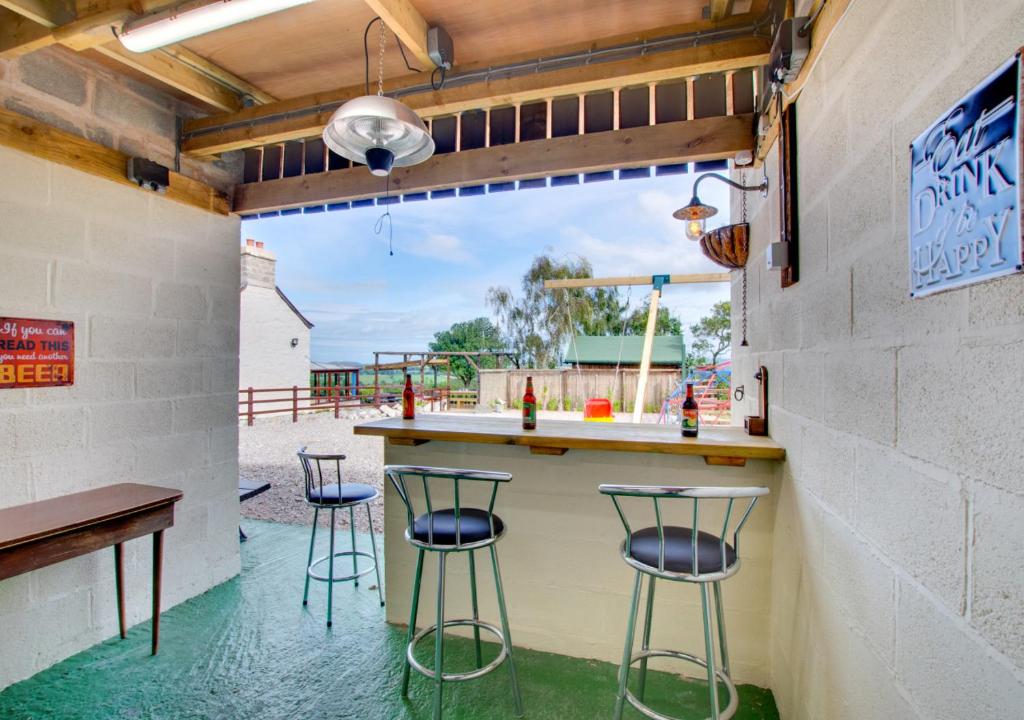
(448, 252)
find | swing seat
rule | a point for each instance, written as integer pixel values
(598, 410)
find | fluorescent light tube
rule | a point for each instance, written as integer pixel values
(195, 18)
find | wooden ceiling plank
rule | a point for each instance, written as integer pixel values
(667, 143)
(406, 22)
(49, 13)
(719, 10)
(20, 35)
(30, 136)
(186, 56)
(712, 58)
(167, 70)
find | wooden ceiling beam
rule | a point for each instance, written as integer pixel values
(406, 22)
(174, 66)
(718, 10)
(269, 124)
(668, 143)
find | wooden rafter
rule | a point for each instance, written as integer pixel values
(41, 140)
(719, 9)
(406, 22)
(667, 143)
(253, 127)
(41, 24)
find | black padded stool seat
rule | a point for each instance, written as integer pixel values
(473, 526)
(643, 546)
(341, 494)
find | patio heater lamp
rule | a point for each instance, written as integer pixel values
(695, 213)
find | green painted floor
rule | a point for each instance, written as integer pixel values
(248, 649)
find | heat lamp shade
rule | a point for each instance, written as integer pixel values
(375, 121)
(196, 17)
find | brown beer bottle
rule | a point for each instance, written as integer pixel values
(529, 407)
(690, 417)
(408, 400)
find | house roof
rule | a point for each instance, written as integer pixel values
(335, 365)
(668, 350)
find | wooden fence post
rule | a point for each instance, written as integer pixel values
(337, 402)
(295, 403)
(250, 407)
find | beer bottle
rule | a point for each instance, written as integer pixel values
(408, 400)
(529, 407)
(690, 418)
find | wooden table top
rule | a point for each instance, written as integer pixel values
(34, 521)
(729, 444)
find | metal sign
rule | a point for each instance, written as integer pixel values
(36, 353)
(965, 194)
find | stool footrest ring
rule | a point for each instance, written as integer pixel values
(727, 712)
(458, 677)
(342, 578)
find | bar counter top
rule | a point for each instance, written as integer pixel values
(718, 445)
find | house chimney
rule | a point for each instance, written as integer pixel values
(258, 265)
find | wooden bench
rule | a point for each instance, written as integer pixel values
(248, 489)
(43, 533)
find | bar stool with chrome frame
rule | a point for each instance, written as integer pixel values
(336, 495)
(453, 530)
(680, 554)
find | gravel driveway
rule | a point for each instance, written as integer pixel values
(266, 452)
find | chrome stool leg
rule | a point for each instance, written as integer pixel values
(352, 529)
(709, 644)
(646, 644)
(330, 574)
(720, 613)
(376, 559)
(505, 632)
(412, 620)
(627, 654)
(312, 540)
(476, 611)
(439, 639)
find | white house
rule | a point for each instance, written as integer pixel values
(273, 340)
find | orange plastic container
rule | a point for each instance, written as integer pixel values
(598, 410)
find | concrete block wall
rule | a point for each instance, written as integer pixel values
(897, 587)
(68, 91)
(152, 287)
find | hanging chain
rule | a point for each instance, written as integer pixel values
(380, 65)
(743, 219)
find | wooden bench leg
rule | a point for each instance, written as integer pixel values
(158, 556)
(119, 580)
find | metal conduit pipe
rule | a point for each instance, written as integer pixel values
(519, 69)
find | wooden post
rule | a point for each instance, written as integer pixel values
(376, 380)
(249, 413)
(337, 401)
(295, 403)
(645, 358)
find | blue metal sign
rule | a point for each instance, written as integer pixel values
(965, 191)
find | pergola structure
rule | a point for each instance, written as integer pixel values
(433, 359)
(880, 573)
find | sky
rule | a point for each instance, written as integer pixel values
(448, 252)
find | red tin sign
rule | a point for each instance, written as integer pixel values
(36, 353)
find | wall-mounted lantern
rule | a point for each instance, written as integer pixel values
(695, 213)
(295, 342)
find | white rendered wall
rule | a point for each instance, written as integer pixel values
(266, 358)
(568, 589)
(152, 287)
(898, 586)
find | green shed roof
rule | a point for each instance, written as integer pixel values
(604, 350)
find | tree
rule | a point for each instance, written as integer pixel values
(471, 336)
(536, 324)
(665, 324)
(712, 335)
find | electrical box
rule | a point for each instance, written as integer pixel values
(148, 174)
(789, 50)
(440, 47)
(777, 255)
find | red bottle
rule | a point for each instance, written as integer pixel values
(529, 407)
(408, 400)
(691, 419)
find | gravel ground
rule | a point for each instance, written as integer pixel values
(266, 452)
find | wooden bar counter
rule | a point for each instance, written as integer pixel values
(567, 585)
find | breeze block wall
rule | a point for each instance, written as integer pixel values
(152, 287)
(898, 586)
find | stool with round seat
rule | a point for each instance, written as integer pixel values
(455, 529)
(324, 490)
(681, 554)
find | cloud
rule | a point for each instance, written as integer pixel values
(437, 246)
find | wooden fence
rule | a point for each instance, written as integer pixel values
(569, 389)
